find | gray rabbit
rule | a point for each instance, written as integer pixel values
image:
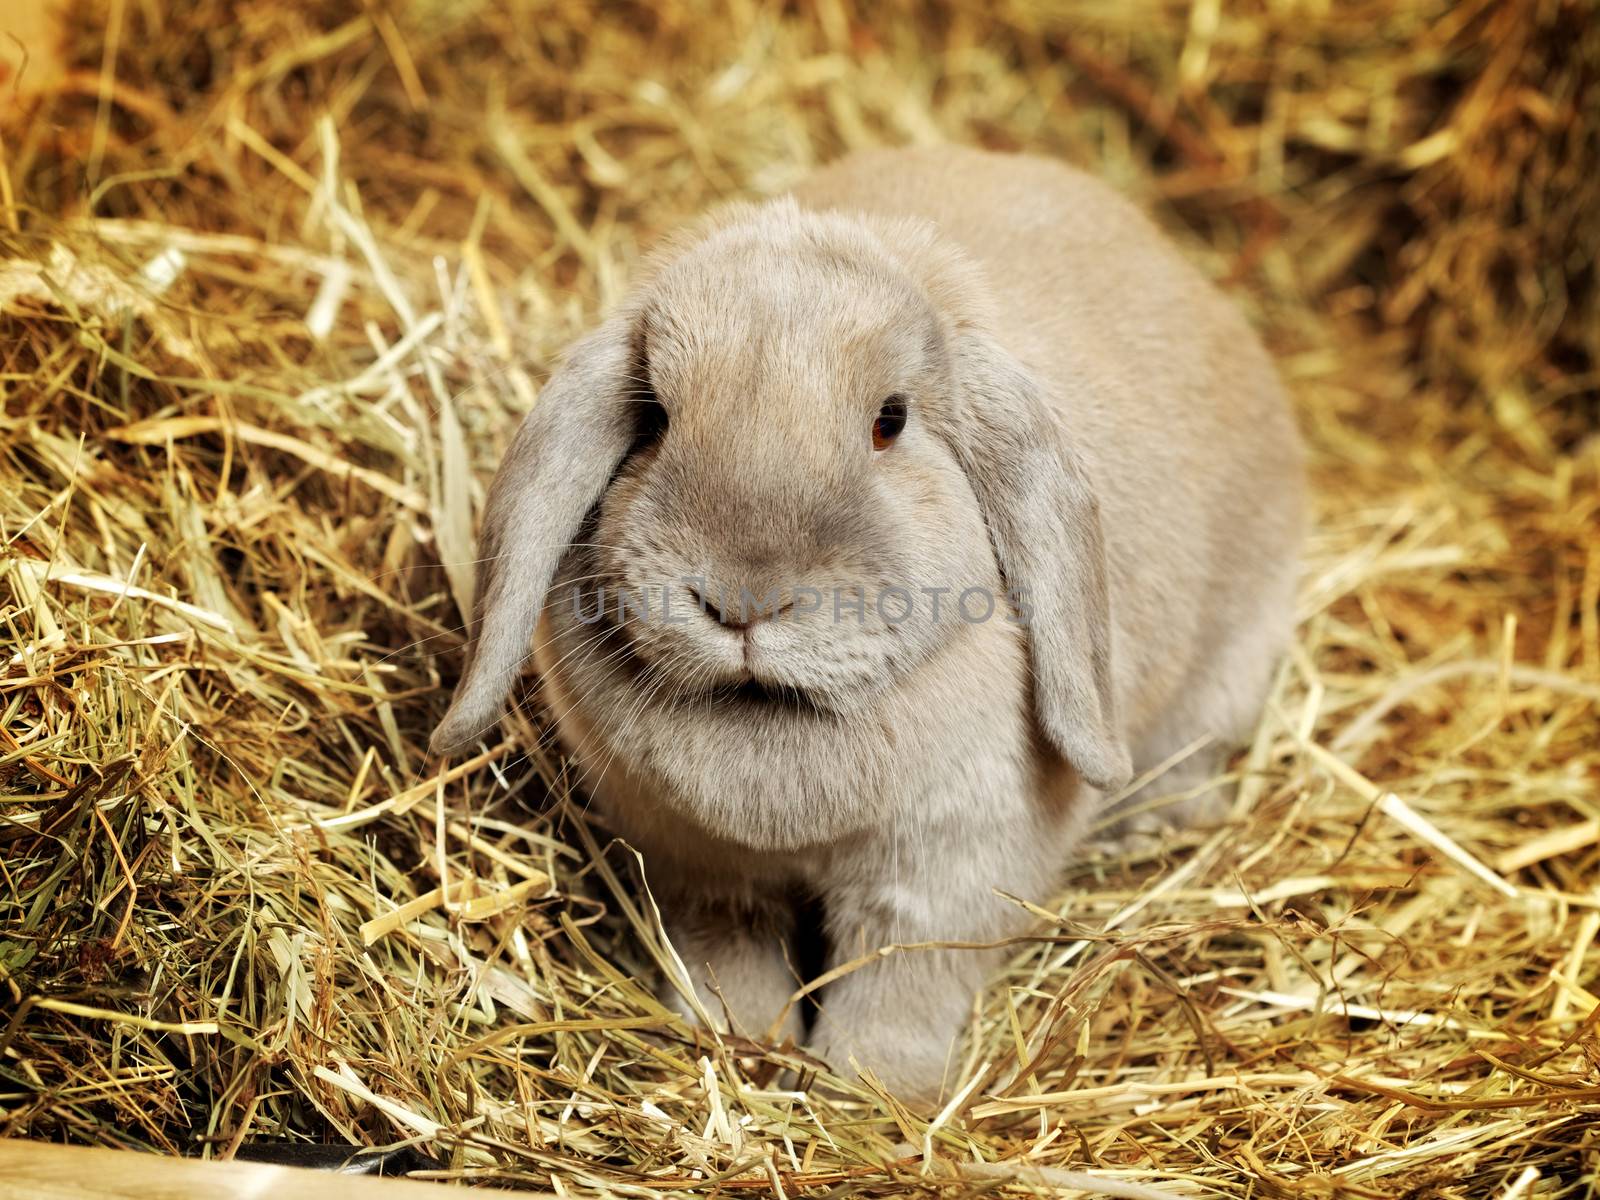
(983, 386)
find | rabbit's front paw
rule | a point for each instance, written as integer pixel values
(741, 979)
(904, 1055)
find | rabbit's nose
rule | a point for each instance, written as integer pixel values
(738, 613)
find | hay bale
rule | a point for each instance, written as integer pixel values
(275, 282)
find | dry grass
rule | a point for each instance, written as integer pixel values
(277, 279)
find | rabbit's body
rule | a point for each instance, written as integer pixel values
(1066, 373)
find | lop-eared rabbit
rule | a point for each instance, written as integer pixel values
(881, 534)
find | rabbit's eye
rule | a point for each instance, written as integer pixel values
(649, 422)
(891, 420)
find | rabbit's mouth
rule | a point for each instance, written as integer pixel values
(674, 662)
(767, 695)
(633, 655)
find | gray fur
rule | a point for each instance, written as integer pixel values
(1091, 426)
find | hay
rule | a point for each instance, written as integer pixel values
(277, 280)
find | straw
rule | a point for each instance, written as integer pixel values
(277, 283)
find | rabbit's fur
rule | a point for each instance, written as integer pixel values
(1091, 428)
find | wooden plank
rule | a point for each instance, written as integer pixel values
(38, 1171)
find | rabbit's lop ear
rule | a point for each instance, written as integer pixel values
(558, 465)
(1044, 521)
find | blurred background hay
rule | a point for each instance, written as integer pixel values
(276, 280)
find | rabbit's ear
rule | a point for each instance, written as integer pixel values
(1044, 521)
(559, 463)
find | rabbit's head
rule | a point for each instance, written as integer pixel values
(794, 466)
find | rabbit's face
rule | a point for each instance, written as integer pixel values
(788, 528)
(789, 471)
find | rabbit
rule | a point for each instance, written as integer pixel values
(940, 375)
